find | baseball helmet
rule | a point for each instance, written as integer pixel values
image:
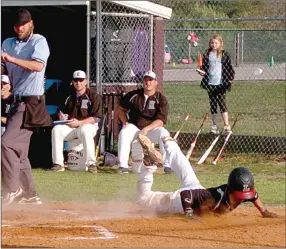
(241, 183)
(109, 159)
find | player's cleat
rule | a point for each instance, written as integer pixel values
(57, 168)
(168, 170)
(92, 168)
(122, 170)
(214, 129)
(32, 200)
(168, 138)
(13, 196)
(151, 155)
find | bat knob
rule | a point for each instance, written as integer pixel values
(214, 162)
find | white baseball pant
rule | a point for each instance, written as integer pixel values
(128, 135)
(85, 133)
(167, 202)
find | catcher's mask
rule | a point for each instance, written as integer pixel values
(241, 184)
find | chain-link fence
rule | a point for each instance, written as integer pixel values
(132, 40)
(125, 42)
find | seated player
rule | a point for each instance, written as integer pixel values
(83, 108)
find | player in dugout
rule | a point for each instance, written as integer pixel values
(192, 199)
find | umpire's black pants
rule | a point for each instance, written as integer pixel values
(15, 165)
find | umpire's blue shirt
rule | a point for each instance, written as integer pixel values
(27, 83)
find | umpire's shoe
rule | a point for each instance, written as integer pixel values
(32, 200)
(13, 197)
(151, 155)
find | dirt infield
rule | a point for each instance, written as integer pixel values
(127, 225)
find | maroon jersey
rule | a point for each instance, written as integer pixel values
(210, 200)
(142, 112)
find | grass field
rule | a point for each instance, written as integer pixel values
(261, 103)
(107, 185)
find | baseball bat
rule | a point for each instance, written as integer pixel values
(101, 127)
(223, 147)
(194, 143)
(208, 151)
(185, 120)
(107, 140)
(112, 122)
(109, 137)
(103, 141)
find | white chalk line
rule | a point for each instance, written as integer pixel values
(105, 233)
(66, 211)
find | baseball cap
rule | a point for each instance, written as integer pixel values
(150, 74)
(22, 16)
(241, 183)
(5, 78)
(79, 74)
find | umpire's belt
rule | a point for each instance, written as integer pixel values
(25, 99)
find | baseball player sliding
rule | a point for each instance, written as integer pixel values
(192, 199)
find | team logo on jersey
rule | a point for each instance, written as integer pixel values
(84, 103)
(151, 104)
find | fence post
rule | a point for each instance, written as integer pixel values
(151, 42)
(237, 49)
(98, 47)
(242, 46)
(158, 50)
(88, 42)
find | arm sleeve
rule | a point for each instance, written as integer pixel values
(163, 109)
(41, 51)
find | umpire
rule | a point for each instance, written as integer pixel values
(24, 60)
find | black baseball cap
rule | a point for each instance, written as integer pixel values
(22, 16)
(241, 183)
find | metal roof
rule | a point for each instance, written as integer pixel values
(141, 6)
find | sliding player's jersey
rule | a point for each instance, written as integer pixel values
(211, 200)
